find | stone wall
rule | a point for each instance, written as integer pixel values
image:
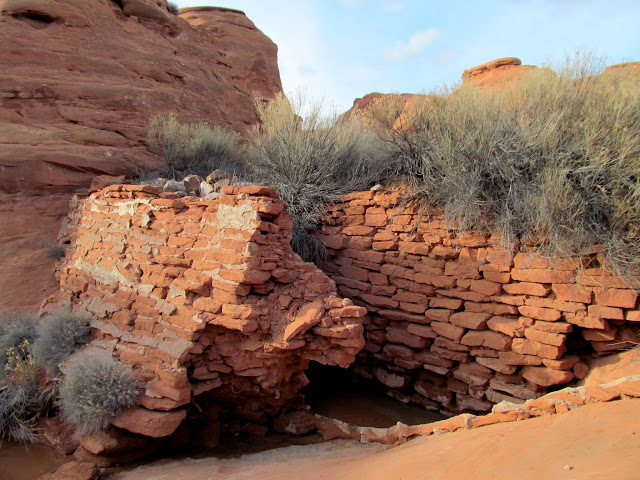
(457, 322)
(206, 299)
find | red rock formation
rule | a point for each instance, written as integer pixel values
(495, 74)
(79, 81)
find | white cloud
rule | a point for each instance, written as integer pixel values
(416, 44)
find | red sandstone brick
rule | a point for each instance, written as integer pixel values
(599, 311)
(473, 374)
(547, 376)
(542, 275)
(354, 273)
(475, 321)
(400, 335)
(462, 357)
(470, 296)
(572, 293)
(385, 245)
(565, 363)
(397, 315)
(421, 330)
(414, 248)
(461, 271)
(556, 327)
(586, 321)
(527, 288)
(513, 358)
(378, 278)
(540, 313)
(614, 297)
(548, 338)
(530, 347)
(448, 330)
(488, 339)
(379, 301)
(572, 307)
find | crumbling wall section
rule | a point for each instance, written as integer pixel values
(458, 323)
(206, 299)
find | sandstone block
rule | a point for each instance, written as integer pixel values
(401, 335)
(486, 287)
(308, 316)
(599, 311)
(530, 347)
(425, 331)
(549, 338)
(572, 293)
(615, 297)
(475, 321)
(497, 365)
(488, 339)
(507, 325)
(448, 330)
(148, 422)
(542, 275)
(540, 313)
(547, 376)
(473, 373)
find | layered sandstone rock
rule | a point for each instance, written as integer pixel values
(495, 74)
(79, 83)
(457, 322)
(209, 303)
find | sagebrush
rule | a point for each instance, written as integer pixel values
(193, 148)
(96, 387)
(312, 161)
(15, 329)
(59, 336)
(19, 396)
(554, 156)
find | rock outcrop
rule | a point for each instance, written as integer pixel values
(209, 303)
(495, 74)
(79, 81)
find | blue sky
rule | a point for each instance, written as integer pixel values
(338, 50)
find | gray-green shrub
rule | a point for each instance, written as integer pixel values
(20, 402)
(59, 336)
(554, 156)
(15, 328)
(95, 388)
(193, 148)
(312, 161)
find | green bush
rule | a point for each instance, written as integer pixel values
(193, 148)
(555, 156)
(15, 329)
(59, 336)
(96, 387)
(312, 161)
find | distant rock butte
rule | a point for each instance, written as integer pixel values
(79, 81)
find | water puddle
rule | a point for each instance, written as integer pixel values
(333, 392)
(27, 462)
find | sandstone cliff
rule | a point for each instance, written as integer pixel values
(79, 82)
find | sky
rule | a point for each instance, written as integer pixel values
(338, 50)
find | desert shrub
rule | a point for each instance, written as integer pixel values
(59, 336)
(15, 329)
(19, 398)
(193, 148)
(312, 161)
(96, 387)
(56, 251)
(554, 156)
(173, 8)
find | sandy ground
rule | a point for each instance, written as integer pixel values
(600, 441)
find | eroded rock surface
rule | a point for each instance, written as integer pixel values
(79, 81)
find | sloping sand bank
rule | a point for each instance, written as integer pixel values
(598, 441)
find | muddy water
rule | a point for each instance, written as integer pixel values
(333, 392)
(27, 462)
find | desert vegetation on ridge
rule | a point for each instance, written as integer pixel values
(553, 158)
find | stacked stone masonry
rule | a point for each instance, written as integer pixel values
(207, 301)
(459, 323)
